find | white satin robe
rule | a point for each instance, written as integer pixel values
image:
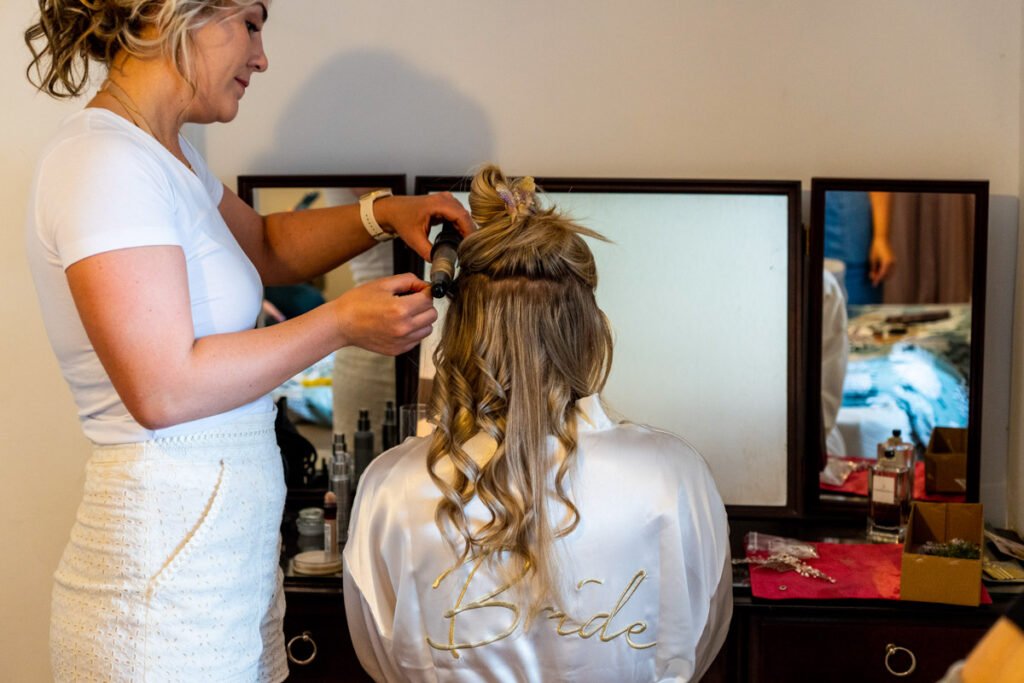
(647, 571)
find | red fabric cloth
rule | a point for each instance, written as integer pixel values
(869, 571)
(857, 484)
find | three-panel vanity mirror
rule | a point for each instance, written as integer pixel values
(783, 355)
(898, 317)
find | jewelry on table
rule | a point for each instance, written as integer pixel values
(784, 562)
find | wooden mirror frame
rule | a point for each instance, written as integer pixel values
(813, 315)
(408, 366)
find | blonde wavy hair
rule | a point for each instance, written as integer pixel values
(71, 34)
(523, 340)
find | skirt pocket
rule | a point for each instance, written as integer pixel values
(202, 604)
(194, 533)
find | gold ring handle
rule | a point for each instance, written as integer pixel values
(306, 637)
(890, 650)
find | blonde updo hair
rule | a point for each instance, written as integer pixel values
(74, 33)
(523, 340)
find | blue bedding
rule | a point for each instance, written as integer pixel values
(927, 388)
(922, 369)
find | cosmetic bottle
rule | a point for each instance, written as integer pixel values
(889, 489)
(389, 428)
(330, 527)
(342, 483)
(363, 439)
(310, 524)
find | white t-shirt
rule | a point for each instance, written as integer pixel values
(647, 571)
(103, 184)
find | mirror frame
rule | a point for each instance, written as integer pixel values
(796, 342)
(813, 316)
(247, 185)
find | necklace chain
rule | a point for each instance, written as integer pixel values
(134, 113)
(126, 101)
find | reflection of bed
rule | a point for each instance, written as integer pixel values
(907, 376)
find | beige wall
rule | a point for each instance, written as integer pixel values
(686, 88)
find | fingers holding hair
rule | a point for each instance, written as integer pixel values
(411, 217)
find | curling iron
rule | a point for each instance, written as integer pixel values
(442, 259)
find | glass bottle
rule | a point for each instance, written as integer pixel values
(389, 428)
(888, 498)
(363, 443)
(904, 452)
(342, 483)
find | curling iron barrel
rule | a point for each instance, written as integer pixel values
(442, 259)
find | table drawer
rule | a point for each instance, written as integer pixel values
(318, 618)
(794, 649)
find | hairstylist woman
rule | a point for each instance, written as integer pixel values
(150, 275)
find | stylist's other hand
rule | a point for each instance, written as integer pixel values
(389, 315)
(411, 217)
(881, 261)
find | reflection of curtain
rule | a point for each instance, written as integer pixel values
(932, 239)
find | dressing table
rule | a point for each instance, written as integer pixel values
(769, 641)
(775, 267)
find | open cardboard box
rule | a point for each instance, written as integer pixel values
(930, 578)
(945, 461)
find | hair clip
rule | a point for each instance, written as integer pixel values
(517, 201)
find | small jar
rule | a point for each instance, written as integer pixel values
(310, 522)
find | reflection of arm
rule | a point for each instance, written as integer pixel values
(881, 258)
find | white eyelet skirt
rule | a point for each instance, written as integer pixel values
(171, 573)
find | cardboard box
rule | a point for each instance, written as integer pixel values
(945, 461)
(931, 578)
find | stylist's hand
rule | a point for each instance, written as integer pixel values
(411, 217)
(390, 315)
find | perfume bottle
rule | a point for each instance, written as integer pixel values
(389, 428)
(889, 488)
(363, 439)
(342, 483)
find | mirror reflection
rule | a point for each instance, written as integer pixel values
(682, 300)
(896, 353)
(328, 396)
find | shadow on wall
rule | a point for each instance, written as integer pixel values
(376, 113)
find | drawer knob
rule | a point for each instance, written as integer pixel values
(891, 650)
(307, 638)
